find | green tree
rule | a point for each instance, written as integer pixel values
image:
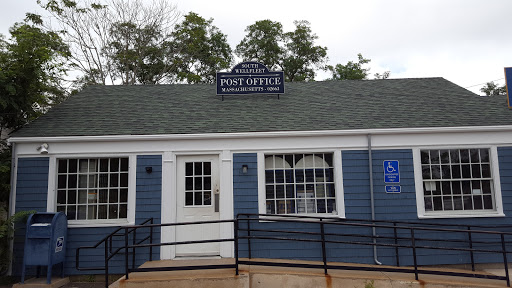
(493, 89)
(263, 43)
(302, 57)
(137, 54)
(351, 70)
(293, 52)
(32, 64)
(121, 41)
(203, 50)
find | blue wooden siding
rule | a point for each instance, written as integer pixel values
(32, 187)
(31, 194)
(399, 207)
(149, 200)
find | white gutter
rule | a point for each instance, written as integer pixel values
(204, 136)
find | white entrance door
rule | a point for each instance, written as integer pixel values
(197, 199)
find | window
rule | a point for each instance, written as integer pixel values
(457, 180)
(299, 183)
(198, 184)
(94, 188)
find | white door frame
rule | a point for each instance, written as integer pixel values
(168, 205)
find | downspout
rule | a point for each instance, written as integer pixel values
(372, 202)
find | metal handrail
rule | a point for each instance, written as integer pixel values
(393, 238)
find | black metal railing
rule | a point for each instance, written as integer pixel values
(328, 231)
(107, 243)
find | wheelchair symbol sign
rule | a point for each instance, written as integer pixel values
(391, 171)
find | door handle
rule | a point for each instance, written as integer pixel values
(217, 199)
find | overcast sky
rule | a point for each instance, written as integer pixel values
(468, 42)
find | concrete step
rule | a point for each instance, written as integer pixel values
(252, 276)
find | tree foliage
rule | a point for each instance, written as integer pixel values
(355, 70)
(123, 41)
(293, 52)
(493, 89)
(263, 43)
(351, 70)
(32, 64)
(202, 50)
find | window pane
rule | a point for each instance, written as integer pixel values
(425, 158)
(61, 197)
(474, 155)
(436, 171)
(62, 181)
(73, 164)
(207, 198)
(486, 171)
(426, 171)
(63, 166)
(114, 165)
(82, 212)
(124, 164)
(434, 156)
(123, 195)
(113, 196)
(484, 155)
(279, 191)
(271, 208)
(103, 198)
(189, 170)
(198, 198)
(445, 156)
(71, 196)
(454, 156)
(112, 211)
(487, 202)
(300, 183)
(207, 168)
(124, 180)
(270, 192)
(464, 156)
(114, 180)
(104, 165)
(189, 198)
(102, 212)
(123, 211)
(198, 168)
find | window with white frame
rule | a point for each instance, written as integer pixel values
(299, 183)
(93, 188)
(457, 180)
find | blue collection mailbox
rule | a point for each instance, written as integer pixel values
(45, 242)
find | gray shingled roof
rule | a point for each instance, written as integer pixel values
(329, 105)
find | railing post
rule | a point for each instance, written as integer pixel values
(106, 263)
(249, 236)
(505, 261)
(324, 255)
(413, 242)
(126, 252)
(151, 240)
(471, 247)
(133, 249)
(396, 245)
(236, 244)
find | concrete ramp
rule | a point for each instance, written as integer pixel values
(252, 276)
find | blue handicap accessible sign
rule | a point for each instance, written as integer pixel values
(391, 171)
(393, 189)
